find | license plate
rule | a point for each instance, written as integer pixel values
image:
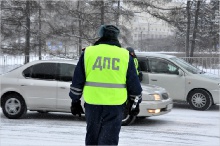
(169, 106)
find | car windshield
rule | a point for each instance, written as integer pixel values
(186, 65)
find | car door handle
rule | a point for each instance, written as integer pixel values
(153, 79)
(23, 85)
(62, 87)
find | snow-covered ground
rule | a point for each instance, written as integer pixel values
(181, 127)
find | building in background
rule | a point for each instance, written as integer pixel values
(144, 27)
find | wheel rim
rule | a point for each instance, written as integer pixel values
(13, 106)
(199, 100)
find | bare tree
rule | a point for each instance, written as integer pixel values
(31, 25)
(184, 18)
(102, 12)
(27, 44)
(195, 29)
(80, 27)
(188, 15)
(39, 33)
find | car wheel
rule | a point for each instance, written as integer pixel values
(13, 106)
(199, 100)
(127, 119)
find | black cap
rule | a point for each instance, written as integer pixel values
(109, 31)
(130, 49)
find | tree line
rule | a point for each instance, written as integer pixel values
(35, 26)
(195, 20)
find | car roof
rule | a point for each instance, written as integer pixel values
(56, 61)
(153, 54)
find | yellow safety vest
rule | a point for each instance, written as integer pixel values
(106, 69)
(136, 65)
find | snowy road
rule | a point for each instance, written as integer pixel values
(180, 127)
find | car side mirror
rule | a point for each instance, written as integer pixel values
(180, 72)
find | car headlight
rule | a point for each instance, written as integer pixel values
(155, 97)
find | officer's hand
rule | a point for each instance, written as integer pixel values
(76, 108)
(132, 112)
(135, 111)
(140, 76)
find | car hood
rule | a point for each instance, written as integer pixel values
(152, 88)
(210, 76)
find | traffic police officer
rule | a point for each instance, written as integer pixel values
(105, 74)
(132, 53)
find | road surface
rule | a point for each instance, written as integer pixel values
(181, 127)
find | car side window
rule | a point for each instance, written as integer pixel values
(157, 65)
(143, 65)
(45, 71)
(65, 72)
(27, 72)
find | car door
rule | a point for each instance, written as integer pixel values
(39, 86)
(163, 73)
(65, 73)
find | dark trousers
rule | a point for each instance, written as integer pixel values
(103, 124)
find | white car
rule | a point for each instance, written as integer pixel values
(183, 81)
(44, 86)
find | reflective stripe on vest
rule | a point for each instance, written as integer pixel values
(106, 69)
(107, 85)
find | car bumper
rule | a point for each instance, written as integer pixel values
(155, 108)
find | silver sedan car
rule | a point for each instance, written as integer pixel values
(44, 86)
(182, 80)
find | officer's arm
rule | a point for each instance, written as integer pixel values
(78, 81)
(140, 75)
(133, 83)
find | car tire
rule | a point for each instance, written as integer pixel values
(199, 99)
(13, 106)
(127, 119)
